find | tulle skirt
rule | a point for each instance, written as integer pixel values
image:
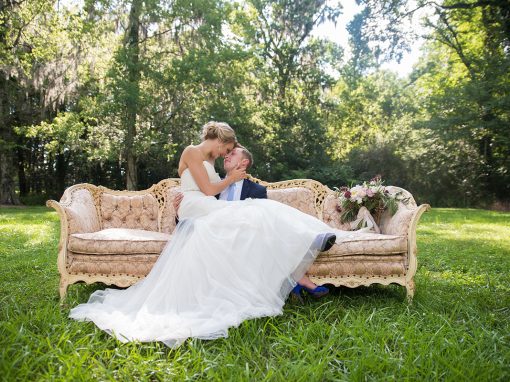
(224, 264)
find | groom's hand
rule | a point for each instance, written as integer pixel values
(177, 202)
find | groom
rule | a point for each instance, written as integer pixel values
(241, 158)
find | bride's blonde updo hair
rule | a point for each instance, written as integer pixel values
(220, 130)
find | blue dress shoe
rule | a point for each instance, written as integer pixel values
(295, 294)
(318, 292)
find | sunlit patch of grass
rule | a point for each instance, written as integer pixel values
(458, 327)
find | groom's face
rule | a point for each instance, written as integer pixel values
(234, 158)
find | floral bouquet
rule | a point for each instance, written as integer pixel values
(372, 195)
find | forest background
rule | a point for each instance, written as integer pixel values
(110, 92)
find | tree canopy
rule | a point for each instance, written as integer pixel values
(111, 91)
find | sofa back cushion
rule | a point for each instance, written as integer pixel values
(167, 222)
(129, 211)
(298, 197)
(398, 224)
(331, 213)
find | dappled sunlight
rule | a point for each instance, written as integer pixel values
(466, 279)
(30, 236)
(466, 215)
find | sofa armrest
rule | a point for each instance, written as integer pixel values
(64, 235)
(78, 214)
(402, 221)
(412, 248)
(79, 208)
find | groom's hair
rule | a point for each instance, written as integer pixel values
(246, 154)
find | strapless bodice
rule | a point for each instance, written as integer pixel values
(189, 184)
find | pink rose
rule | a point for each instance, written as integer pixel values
(370, 193)
(347, 195)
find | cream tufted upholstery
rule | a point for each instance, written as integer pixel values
(118, 241)
(136, 266)
(331, 213)
(136, 212)
(349, 242)
(360, 265)
(115, 237)
(297, 197)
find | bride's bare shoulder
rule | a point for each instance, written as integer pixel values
(189, 155)
(191, 152)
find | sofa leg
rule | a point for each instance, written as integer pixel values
(410, 290)
(63, 289)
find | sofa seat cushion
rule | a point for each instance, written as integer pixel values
(366, 243)
(118, 241)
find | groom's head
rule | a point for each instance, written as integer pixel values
(238, 156)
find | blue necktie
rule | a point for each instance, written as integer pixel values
(231, 191)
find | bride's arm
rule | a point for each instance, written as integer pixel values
(194, 161)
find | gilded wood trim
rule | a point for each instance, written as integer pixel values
(160, 193)
(121, 280)
(412, 249)
(354, 281)
(62, 245)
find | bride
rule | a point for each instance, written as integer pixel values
(226, 262)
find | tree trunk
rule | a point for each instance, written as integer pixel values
(132, 98)
(23, 187)
(61, 172)
(7, 143)
(7, 178)
(8, 157)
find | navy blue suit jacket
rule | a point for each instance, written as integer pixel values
(253, 190)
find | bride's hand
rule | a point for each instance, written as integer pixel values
(237, 174)
(177, 202)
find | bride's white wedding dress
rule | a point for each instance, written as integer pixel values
(226, 262)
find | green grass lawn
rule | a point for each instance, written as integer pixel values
(457, 329)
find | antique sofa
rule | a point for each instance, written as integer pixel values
(115, 237)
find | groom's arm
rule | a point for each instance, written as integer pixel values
(259, 192)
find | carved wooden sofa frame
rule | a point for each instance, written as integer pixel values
(354, 261)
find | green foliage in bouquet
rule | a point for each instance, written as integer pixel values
(373, 195)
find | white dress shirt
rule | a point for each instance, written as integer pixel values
(237, 192)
